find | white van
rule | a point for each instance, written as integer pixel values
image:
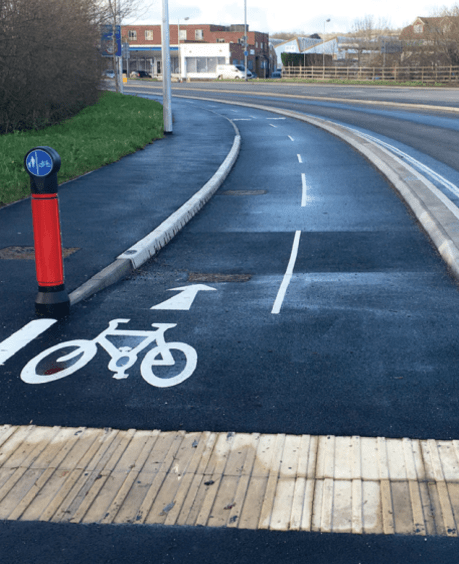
(232, 71)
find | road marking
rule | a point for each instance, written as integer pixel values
(303, 197)
(424, 168)
(300, 160)
(275, 118)
(45, 367)
(288, 275)
(10, 346)
(241, 119)
(184, 300)
(272, 125)
(291, 138)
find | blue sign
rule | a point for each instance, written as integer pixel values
(39, 163)
(107, 41)
(246, 53)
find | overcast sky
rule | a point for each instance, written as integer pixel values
(272, 16)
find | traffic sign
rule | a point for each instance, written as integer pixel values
(107, 41)
(39, 162)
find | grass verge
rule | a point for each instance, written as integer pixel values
(100, 134)
(369, 83)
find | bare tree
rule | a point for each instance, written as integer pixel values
(366, 31)
(444, 34)
(112, 13)
(46, 76)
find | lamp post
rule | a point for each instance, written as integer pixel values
(166, 69)
(245, 39)
(178, 44)
(323, 47)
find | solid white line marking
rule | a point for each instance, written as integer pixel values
(291, 138)
(272, 125)
(303, 197)
(299, 158)
(241, 119)
(275, 118)
(424, 168)
(9, 347)
(288, 275)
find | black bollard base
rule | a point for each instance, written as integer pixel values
(52, 302)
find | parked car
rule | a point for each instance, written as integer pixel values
(108, 74)
(276, 74)
(140, 74)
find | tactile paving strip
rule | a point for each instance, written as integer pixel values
(252, 481)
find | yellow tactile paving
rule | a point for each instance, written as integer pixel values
(280, 482)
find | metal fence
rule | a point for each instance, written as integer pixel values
(399, 74)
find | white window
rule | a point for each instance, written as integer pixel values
(418, 28)
(198, 34)
(149, 34)
(182, 35)
(220, 40)
(132, 35)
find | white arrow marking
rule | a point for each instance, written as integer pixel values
(9, 347)
(184, 300)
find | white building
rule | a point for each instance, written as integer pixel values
(295, 45)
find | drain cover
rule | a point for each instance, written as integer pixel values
(243, 192)
(28, 253)
(209, 277)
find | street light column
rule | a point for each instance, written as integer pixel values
(166, 69)
(179, 53)
(323, 47)
(245, 39)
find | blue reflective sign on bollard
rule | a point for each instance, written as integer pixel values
(39, 162)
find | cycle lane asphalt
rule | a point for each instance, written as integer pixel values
(240, 245)
(245, 234)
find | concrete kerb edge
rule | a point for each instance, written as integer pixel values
(147, 247)
(390, 167)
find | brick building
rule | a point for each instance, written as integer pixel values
(198, 50)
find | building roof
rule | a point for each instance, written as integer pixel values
(427, 27)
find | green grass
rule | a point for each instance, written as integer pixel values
(100, 134)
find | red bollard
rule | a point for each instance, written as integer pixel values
(42, 164)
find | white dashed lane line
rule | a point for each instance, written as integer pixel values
(288, 275)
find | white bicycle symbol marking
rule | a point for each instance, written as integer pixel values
(43, 369)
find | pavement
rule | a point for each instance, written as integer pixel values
(115, 219)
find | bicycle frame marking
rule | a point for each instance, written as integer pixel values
(131, 353)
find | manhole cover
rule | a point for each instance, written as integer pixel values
(209, 277)
(243, 192)
(28, 253)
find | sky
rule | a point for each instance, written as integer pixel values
(271, 16)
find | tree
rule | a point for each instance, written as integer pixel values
(366, 31)
(112, 13)
(49, 61)
(444, 31)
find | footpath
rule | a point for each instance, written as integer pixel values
(114, 219)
